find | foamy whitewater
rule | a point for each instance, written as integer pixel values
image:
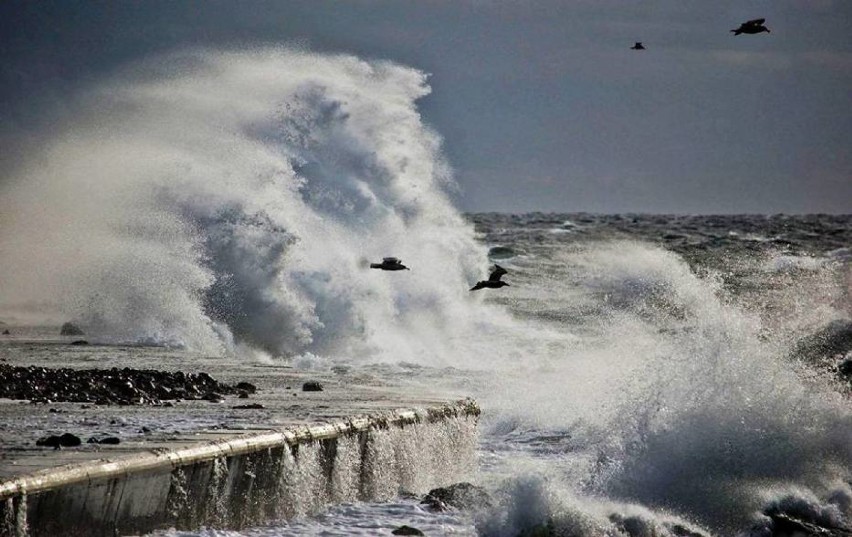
(637, 377)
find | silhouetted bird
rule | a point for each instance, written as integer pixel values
(638, 46)
(389, 263)
(751, 27)
(493, 281)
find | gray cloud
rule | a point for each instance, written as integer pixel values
(541, 104)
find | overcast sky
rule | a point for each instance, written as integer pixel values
(542, 105)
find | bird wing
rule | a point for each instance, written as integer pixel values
(754, 22)
(497, 273)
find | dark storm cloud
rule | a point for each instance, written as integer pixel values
(542, 104)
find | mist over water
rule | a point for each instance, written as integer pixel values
(230, 202)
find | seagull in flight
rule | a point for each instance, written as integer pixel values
(493, 281)
(638, 46)
(754, 26)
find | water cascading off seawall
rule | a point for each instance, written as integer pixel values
(246, 479)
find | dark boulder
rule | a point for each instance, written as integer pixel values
(70, 329)
(109, 440)
(246, 387)
(80, 342)
(832, 339)
(406, 530)
(312, 386)
(48, 441)
(6, 332)
(253, 406)
(460, 496)
(845, 367)
(69, 440)
(64, 440)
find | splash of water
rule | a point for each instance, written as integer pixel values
(229, 200)
(674, 399)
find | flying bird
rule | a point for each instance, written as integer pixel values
(493, 281)
(638, 46)
(751, 27)
(389, 263)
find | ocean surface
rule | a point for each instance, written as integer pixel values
(640, 375)
(648, 382)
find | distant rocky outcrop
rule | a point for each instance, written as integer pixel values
(70, 329)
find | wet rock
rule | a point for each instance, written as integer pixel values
(109, 440)
(460, 496)
(69, 440)
(213, 397)
(49, 441)
(682, 531)
(246, 387)
(80, 342)
(312, 386)
(253, 406)
(832, 339)
(793, 515)
(6, 332)
(406, 530)
(70, 329)
(844, 368)
(105, 386)
(64, 440)
(243, 395)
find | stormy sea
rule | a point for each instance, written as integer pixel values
(641, 375)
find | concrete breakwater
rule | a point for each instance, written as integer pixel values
(245, 479)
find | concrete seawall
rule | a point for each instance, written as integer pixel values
(244, 479)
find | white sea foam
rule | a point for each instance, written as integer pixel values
(226, 200)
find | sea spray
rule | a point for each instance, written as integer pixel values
(228, 200)
(673, 398)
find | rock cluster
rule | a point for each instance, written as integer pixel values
(110, 386)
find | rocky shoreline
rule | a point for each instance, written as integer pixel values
(114, 386)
